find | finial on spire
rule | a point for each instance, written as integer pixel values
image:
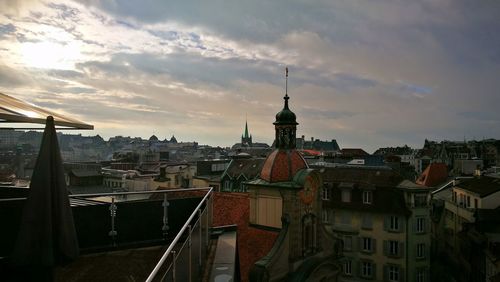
(286, 88)
(286, 81)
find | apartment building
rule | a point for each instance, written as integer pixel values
(382, 220)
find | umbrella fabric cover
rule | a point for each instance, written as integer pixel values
(47, 235)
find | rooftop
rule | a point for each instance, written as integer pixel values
(484, 185)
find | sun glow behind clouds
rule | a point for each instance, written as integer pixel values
(50, 55)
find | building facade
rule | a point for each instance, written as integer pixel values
(382, 221)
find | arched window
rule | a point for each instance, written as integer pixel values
(309, 231)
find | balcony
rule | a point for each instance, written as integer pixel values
(165, 237)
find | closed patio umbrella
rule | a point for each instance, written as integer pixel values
(47, 235)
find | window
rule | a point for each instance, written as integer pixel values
(367, 244)
(462, 200)
(420, 225)
(420, 200)
(219, 166)
(227, 185)
(454, 197)
(325, 216)
(326, 193)
(367, 222)
(420, 251)
(475, 204)
(348, 267)
(347, 243)
(468, 201)
(420, 275)
(393, 248)
(346, 196)
(394, 223)
(366, 269)
(367, 197)
(393, 273)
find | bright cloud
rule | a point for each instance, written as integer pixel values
(366, 74)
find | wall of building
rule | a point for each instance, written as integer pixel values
(491, 201)
(266, 208)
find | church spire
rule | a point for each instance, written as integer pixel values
(246, 128)
(285, 124)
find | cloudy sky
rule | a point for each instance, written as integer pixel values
(367, 73)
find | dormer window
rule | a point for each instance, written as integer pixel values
(367, 197)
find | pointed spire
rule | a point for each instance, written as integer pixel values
(246, 129)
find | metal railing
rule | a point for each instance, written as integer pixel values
(178, 262)
(183, 256)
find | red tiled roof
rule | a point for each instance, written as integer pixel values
(253, 243)
(282, 165)
(433, 175)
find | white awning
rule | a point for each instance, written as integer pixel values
(14, 111)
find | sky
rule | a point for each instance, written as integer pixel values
(369, 74)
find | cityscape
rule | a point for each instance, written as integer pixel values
(343, 141)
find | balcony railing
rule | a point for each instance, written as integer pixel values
(186, 252)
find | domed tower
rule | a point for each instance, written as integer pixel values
(285, 161)
(287, 197)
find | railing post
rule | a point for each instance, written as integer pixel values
(189, 250)
(201, 236)
(112, 210)
(207, 224)
(173, 265)
(165, 226)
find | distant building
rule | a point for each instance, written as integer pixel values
(241, 169)
(467, 229)
(353, 153)
(209, 172)
(83, 174)
(247, 145)
(326, 147)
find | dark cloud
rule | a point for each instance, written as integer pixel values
(481, 116)
(6, 29)
(10, 77)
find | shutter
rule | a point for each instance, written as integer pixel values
(360, 268)
(386, 247)
(401, 224)
(361, 246)
(374, 271)
(415, 222)
(401, 274)
(387, 222)
(386, 273)
(401, 249)
(374, 245)
(354, 244)
(354, 267)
